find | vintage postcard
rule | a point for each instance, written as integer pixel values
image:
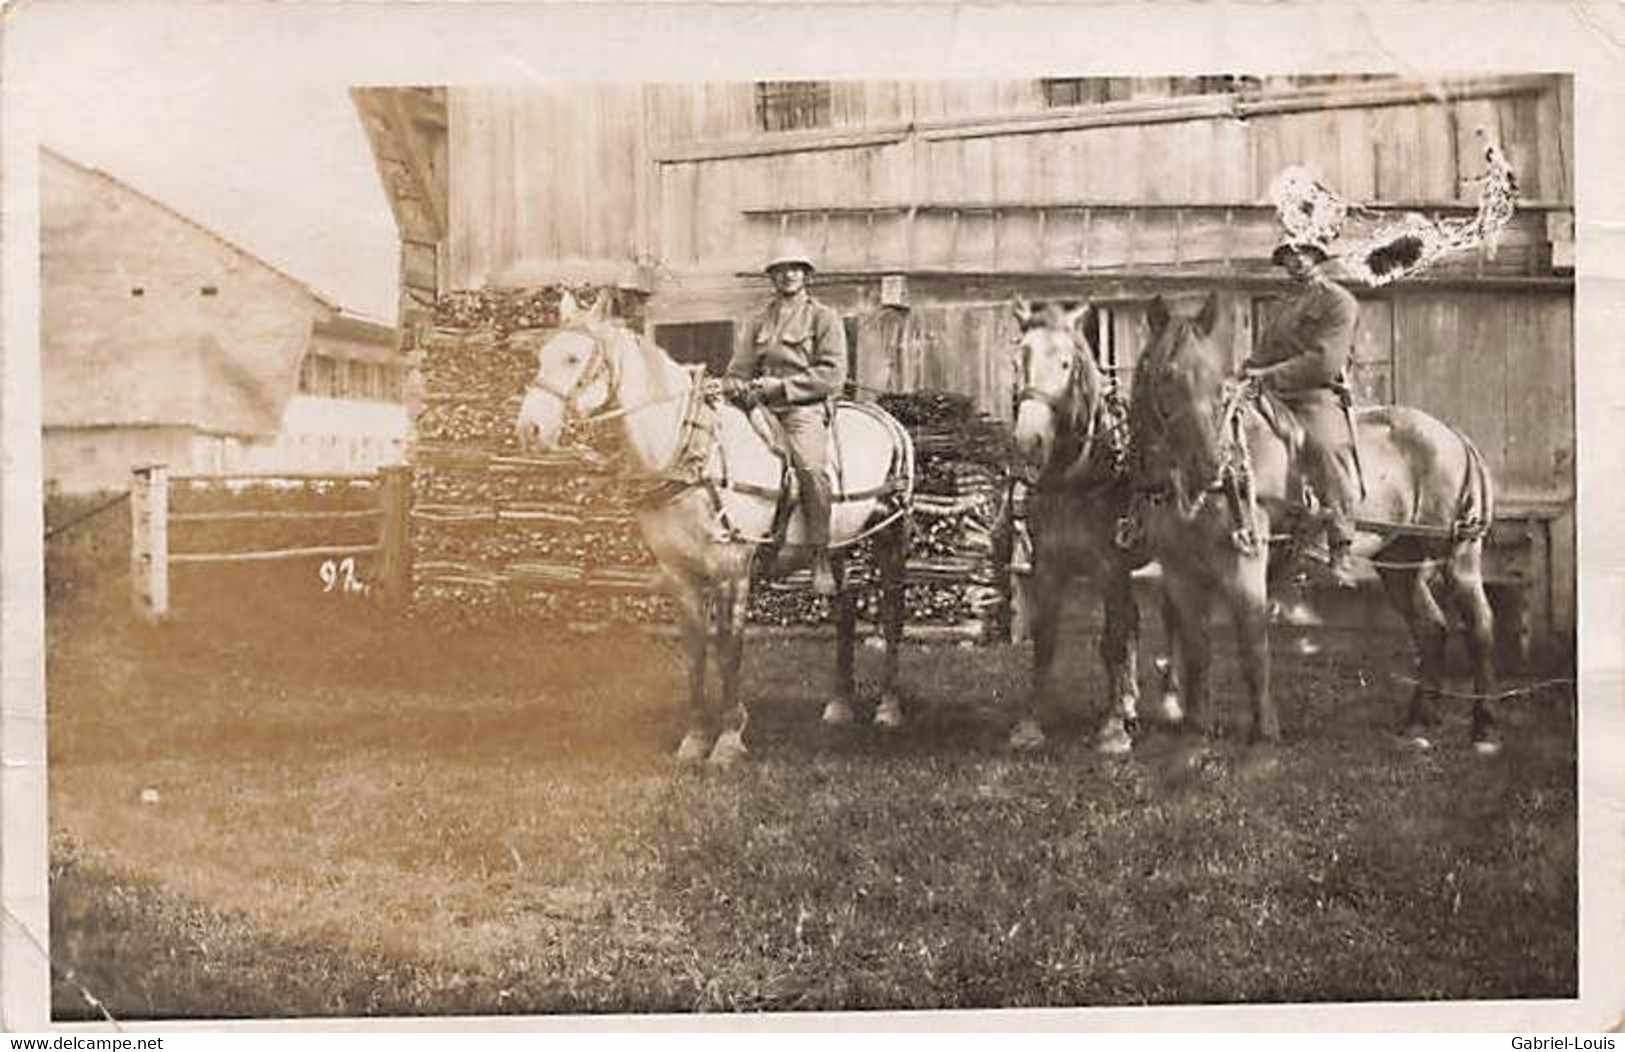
(524, 511)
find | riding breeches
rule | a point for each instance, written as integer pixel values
(1327, 459)
(806, 433)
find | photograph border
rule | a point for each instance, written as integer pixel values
(430, 43)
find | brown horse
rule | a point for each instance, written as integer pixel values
(1218, 484)
(1072, 433)
(712, 506)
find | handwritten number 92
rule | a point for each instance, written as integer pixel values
(340, 575)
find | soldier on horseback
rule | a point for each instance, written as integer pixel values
(1302, 358)
(793, 361)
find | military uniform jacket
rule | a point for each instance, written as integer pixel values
(1314, 332)
(802, 343)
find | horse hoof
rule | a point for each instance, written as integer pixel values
(1113, 740)
(1172, 713)
(729, 750)
(1487, 748)
(1191, 757)
(692, 750)
(889, 713)
(1261, 761)
(837, 714)
(1027, 737)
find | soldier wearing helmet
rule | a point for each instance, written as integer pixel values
(793, 361)
(1302, 356)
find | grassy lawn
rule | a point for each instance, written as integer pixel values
(269, 809)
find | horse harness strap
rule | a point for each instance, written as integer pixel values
(698, 436)
(1234, 480)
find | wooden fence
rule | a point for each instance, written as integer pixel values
(241, 501)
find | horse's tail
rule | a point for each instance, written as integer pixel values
(1475, 508)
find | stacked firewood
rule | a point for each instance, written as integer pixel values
(955, 575)
(500, 534)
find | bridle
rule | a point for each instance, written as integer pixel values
(599, 365)
(1233, 463)
(1069, 405)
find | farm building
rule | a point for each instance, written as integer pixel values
(930, 204)
(162, 342)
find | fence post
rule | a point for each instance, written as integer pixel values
(149, 540)
(395, 544)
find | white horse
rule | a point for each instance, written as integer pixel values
(712, 505)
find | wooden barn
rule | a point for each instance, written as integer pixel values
(163, 342)
(930, 204)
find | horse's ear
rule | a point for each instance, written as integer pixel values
(1208, 316)
(600, 307)
(1157, 314)
(1076, 316)
(568, 308)
(1022, 310)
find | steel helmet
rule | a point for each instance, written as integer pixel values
(789, 250)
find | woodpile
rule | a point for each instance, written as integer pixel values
(552, 537)
(496, 534)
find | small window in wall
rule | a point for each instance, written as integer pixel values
(138, 291)
(707, 343)
(1085, 91)
(785, 105)
(209, 290)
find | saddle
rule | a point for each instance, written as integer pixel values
(1281, 414)
(767, 425)
(787, 494)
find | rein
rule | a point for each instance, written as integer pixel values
(697, 436)
(1232, 475)
(597, 366)
(1066, 405)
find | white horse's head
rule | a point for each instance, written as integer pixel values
(576, 375)
(1060, 385)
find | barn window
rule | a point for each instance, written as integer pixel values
(707, 343)
(785, 105)
(1085, 91)
(138, 292)
(1223, 84)
(209, 290)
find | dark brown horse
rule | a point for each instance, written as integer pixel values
(1218, 483)
(1072, 433)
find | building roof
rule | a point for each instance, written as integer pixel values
(125, 188)
(150, 318)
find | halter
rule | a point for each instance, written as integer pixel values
(1067, 405)
(1233, 470)
(599, 365)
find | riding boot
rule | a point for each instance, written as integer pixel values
(1340, 547)
(815, 511)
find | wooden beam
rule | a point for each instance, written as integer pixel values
(419, 159)
(1219, 106)
(928, 207)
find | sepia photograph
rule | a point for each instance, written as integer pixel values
(529, 545)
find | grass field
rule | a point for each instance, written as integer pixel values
(272, 809)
